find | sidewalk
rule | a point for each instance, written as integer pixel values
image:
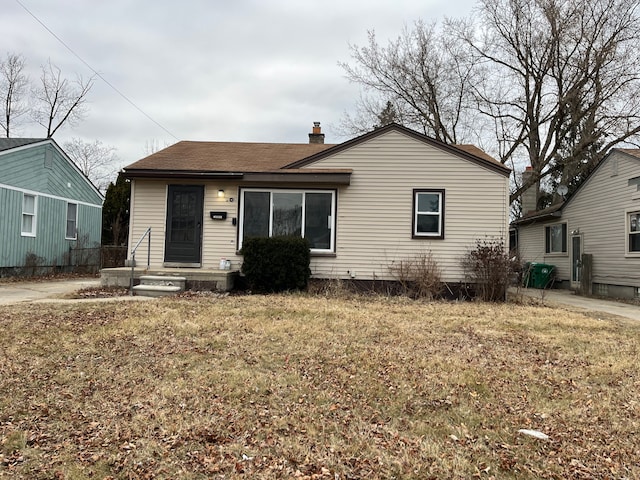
(51, 291)
(568, 298)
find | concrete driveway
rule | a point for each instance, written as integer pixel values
(568, 298)
(18, 292)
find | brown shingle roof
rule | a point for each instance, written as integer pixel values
(631, 151)
(473, 150)
(239, 157)
(227, 156)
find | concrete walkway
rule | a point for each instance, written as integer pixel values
(568, 298)
(51, 291)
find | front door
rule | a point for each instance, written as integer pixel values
(576, 260)
(183, 238)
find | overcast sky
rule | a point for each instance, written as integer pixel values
(241, 70)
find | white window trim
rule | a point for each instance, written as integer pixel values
(332, 246)
(66, 216)
(544, 240)
(627, 231)
(440, 214)
(33, 231)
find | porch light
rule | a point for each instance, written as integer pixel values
(221, 193)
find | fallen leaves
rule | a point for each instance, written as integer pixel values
(214, 387)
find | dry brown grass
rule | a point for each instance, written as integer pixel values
(298, 386)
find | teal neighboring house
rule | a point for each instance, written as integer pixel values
(50, 213)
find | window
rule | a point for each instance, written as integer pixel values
(307, 214)
(29, 204)
(634, 232)
(428, 214)
(72, 221)
(555, 238)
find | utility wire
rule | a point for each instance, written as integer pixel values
(96, 73)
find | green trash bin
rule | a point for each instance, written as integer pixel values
(542, 275)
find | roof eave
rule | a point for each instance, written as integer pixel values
(315, 177)
(538, 218)
(154, 173)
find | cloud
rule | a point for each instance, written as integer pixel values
(246, 70)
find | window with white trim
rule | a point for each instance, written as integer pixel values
(633, 226)
(29, 207)
(280, 212)
(428, 213)
(71, 232)
(555, 238)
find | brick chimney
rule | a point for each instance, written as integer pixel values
(316, 136)
(529, 197)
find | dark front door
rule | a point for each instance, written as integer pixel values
(183, 239)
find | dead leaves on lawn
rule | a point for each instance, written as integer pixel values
(301, 387)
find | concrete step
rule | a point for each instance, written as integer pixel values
(156, 290)
(169, 280)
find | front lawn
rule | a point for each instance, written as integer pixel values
(298, 386)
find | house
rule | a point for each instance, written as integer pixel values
(385, 196)
(48, 208)
(600, 219)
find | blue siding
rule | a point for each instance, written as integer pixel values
(43, 168)
(49, 243)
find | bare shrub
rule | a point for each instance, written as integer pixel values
(419, 276)
(32, 265)
(489, 268)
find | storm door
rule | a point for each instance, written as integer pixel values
(183, 238)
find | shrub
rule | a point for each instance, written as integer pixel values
(489, 268)
(418, 277)
(276, 264)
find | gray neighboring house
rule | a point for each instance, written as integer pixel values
(601, 218)
(48, 207)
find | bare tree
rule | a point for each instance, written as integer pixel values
(13, 89)
(554, 83)
(57, 100)
(424, 74)
(95, 159)
(565, 83)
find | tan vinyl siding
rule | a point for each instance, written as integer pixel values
(219, 236)
(374, 212)
(149, 206)
(532, 248)
(598, 211)
(374, 224)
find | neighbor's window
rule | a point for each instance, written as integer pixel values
(428, 214)
(308, 214)
(634, 232)
(29, 204)
(72, 221)
(555, 238)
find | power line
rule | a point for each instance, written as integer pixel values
(96, 73)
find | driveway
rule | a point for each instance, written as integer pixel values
(568, 298)
(18, 292)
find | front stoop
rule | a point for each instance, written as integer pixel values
(159, 285)
(197, 278)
